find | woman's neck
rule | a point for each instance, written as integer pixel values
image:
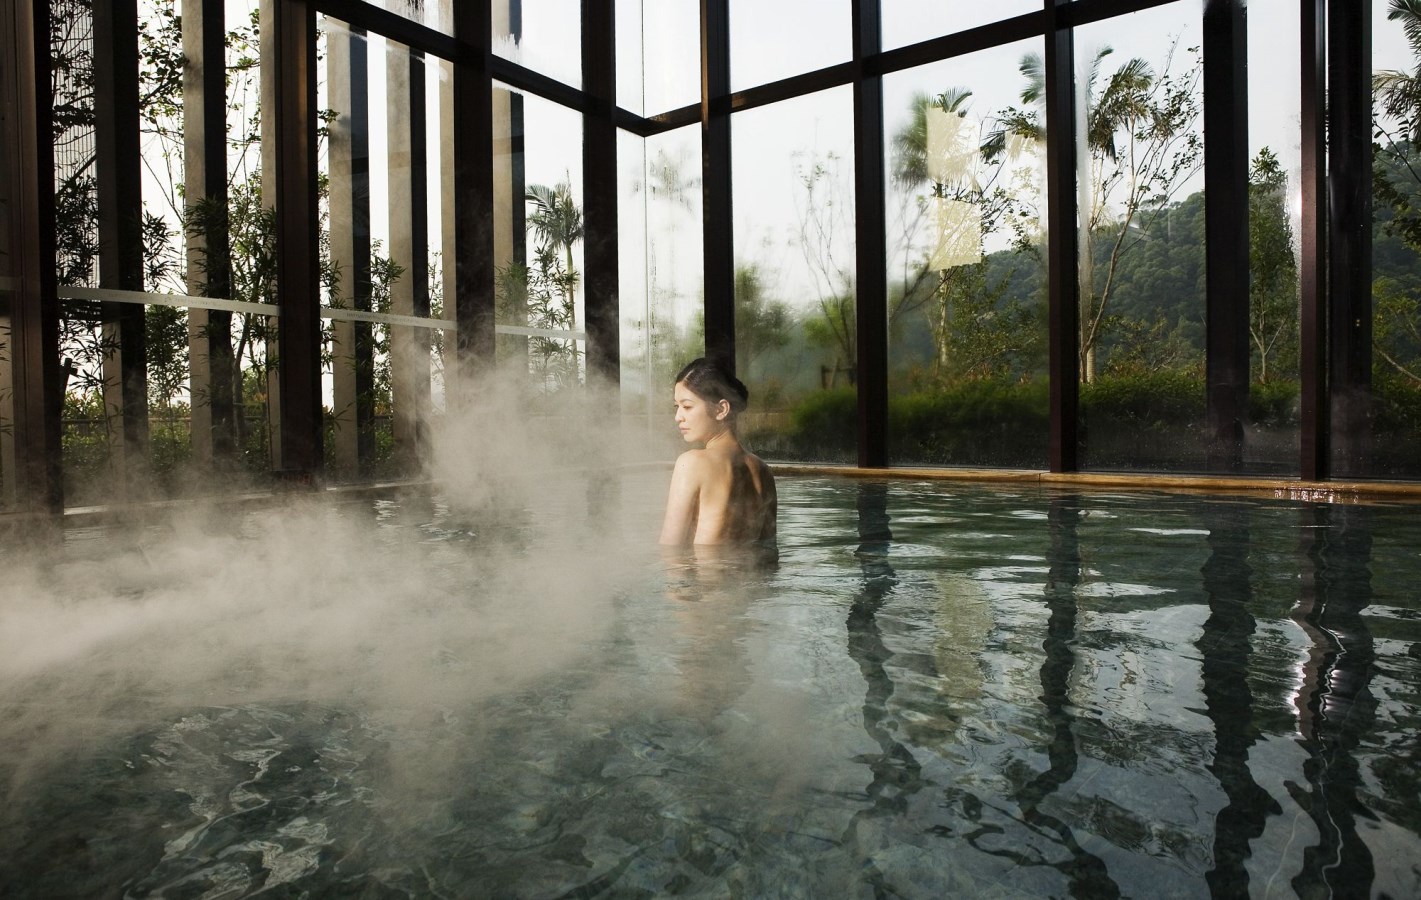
(722, 439)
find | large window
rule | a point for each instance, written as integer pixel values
(662, 282)
(770, 41)
(383, 250)
(1142, 250)
(795, 284)
(911, 21)
(538, 242)
(1396, 246)
(545, 37)
(966, 261)
(658, 55)
(1272, 443)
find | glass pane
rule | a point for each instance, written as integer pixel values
(1142, 241)
(545, 37)
(436, 14)
(382, 242)
(770, 41)
(910, 21)
(658, 55)
(966, 263)
(538, 232)
(1273, 443)
(662, 279)
(795, 333)
(1396, 250)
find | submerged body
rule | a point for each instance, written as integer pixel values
(722, 493)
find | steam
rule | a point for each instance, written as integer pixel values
(417, 607)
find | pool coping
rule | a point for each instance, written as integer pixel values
(1339, 492)
(1275, 488)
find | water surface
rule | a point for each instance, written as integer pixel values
(936, 690)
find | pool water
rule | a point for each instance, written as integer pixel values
(935, 690)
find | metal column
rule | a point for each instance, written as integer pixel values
(716, 205)
(1063, 266)
(1349, 271)
(599, 175)
(871, 254)
(1226, 231)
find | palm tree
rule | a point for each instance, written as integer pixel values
(1398, 93)
(557, 222)
(967, 176)
(1140, 136)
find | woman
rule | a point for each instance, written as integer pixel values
(720, 494)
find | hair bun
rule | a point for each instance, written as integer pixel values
(711, 379)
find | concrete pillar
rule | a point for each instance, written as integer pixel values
(347, 86)
(409, 294)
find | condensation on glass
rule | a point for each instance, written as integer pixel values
(662, 275)
(795, 329)
(658, 55)
(545, 37)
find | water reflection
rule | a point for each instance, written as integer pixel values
(1336, 706)
(1084, 870)
(1225, 652)
(895, 774)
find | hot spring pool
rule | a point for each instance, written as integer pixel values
(938, 690)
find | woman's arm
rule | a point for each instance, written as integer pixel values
(679, 526)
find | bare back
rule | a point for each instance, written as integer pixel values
(720, 495)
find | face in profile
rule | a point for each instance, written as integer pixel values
(698, 418)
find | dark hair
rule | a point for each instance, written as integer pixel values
(710, 380)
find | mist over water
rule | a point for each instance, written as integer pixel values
(417, 606)
(500, 686)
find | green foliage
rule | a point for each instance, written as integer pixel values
(1397, 411)
(1143, 400)
(1273, 271)
(985, 422)
(993, 423)
(543, 292)
(761, 322)
(1274, 404)
(825, 421)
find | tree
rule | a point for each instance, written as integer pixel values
(1396, 185)
(545, 289)
(966, 166)
(761, 323)
(1144, 146)
(1273, 269)
(825, 212)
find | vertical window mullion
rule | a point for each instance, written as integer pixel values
(1314, 412)
(871, 254)
(1063, 278)
(1226, 355)
(715, 181)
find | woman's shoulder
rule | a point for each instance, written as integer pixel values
(691, 461)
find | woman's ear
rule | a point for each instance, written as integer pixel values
(722, 410)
